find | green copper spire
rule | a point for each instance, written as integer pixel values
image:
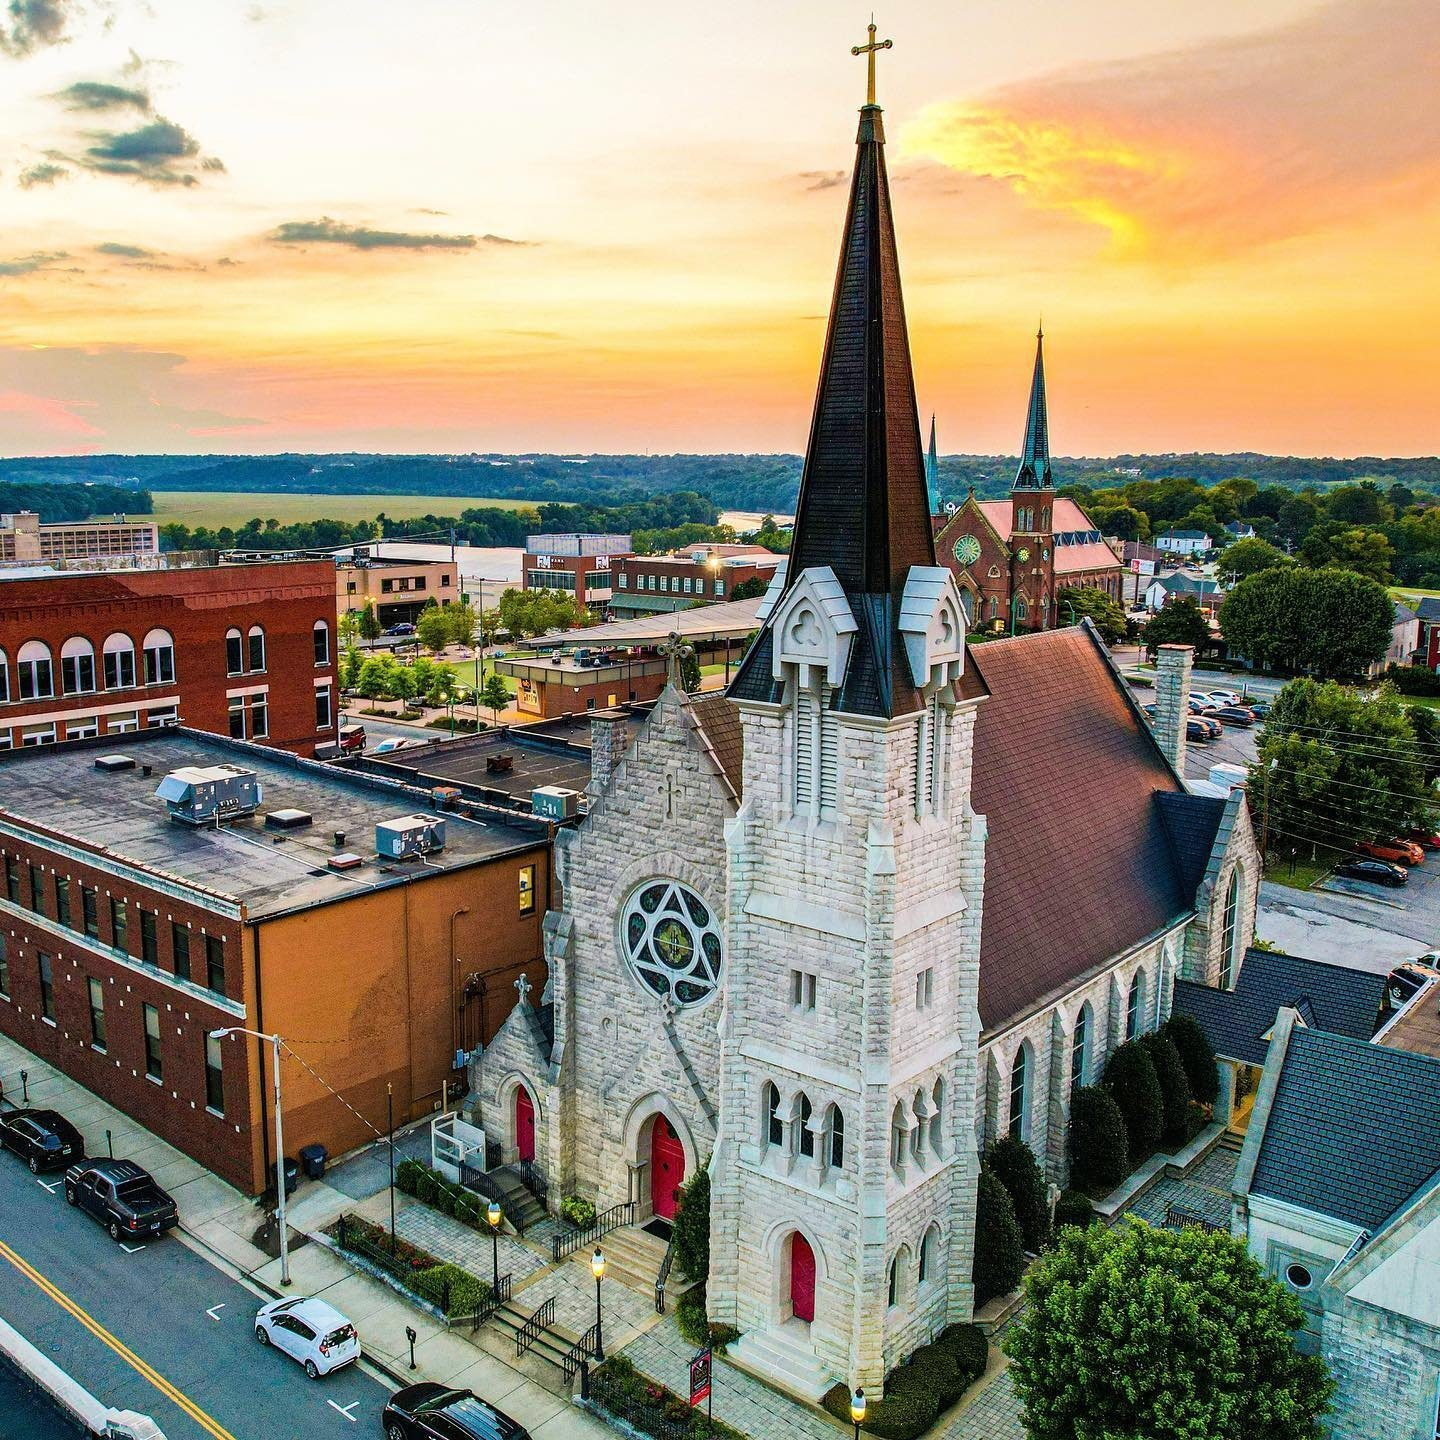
(932, 470)
(1034, 471)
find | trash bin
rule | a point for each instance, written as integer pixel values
(312, 1160)
(292, 1176)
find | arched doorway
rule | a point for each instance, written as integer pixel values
(802, 1278)
(524, 1124)
(667, 1168)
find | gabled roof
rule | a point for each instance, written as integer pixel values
(1034, 469)
(1353, 1131)
(718, 721)
(1182, 584)
(1238, 1022)
(863, 509)
(1428, 608)
(1081, 862)
(1191, 823)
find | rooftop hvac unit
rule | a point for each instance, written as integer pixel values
(410, 835)
(554, 802)
(200, 795)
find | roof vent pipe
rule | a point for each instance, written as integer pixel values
(339, 839)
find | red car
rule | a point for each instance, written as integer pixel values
(1426, 839)
(1395, 852)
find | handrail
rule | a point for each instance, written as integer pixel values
(534, 1327)
(499, 1296)
(533, 1179)
(1177, 1217)
(612, 1219)
(581, 1351)
(664, 1275)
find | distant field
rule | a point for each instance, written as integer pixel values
(215, 508)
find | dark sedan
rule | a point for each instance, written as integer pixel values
(43, 1139)
(435, 1412)
(1233, 715)
(1198, 728)
(1378, 872)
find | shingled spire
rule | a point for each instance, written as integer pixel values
(932, 471)
(1034, 471)
(863, 509)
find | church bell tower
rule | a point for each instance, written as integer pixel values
(845, 1168)
(1032, 506)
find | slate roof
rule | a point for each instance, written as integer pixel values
(864, 508)
(1085, 857)
(1428, 608)
(718, 719)
(1330, 997)
(1354, 1130)
(1066, 517)
(1191, 823)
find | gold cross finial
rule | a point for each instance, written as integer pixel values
(868, 51)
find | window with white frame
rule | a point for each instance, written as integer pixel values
(234, 652)
(159, 648)
(119, 657)
(77, 666)
(802, 989)
(925, 988)
(259, 717)
(4, 678)
(255, 648)
(34, 671)
(323, 717)
(1080, 1047)
(1019, 1126)
(322, 643)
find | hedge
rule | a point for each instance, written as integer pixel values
(1015, 1166)
(446, 1286)
(1174, 1087)
(1130, 1077)
(1074, 1208)
(1196, 1055)
(619, 1388)
(1413, 679)
(999, 1254)
(917, 1392)
(430, 1187)
(692, 1227)
(1099, 1146)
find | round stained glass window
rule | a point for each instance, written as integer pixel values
(672, 942)
(967, 549)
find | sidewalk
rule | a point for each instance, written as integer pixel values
(216, 1218)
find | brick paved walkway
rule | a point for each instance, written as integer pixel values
(448, 1239)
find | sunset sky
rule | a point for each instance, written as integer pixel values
(455, 225)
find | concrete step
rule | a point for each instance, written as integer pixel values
(632, 1255)
(551, 1344)
(782, 1360)
(521, 1208)
(1231, 1140)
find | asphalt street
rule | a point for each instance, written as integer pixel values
(158, 1329)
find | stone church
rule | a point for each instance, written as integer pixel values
(885, 899)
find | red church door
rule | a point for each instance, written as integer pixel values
(667, 1168)
(524, 1123)
(802, 1278)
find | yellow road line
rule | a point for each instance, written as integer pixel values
(169, 1391)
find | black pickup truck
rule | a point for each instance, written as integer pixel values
(121, 1196)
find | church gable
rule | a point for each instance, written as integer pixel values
(977, 554)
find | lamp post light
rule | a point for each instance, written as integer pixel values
(494, 1215)
(857, 1410)
(597, 1269)
(274, 1042)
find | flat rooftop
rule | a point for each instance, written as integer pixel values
(268, 871)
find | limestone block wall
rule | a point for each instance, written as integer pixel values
(1387, 1375)
(1203, 955)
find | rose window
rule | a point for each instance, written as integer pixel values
(672, 941)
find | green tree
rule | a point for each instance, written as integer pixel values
(348, 629)
(1361, 504)
(692, 1227)
(1325, 622)
(400, 683)
(690, 676)
(534, 612)
(369, 624)
(1098, 1144)
(1366, 552)
(1249, 557)
(1074, 602)
(431, 628)
(1196, 1055)
(1013, 1163)
(1174, 1086)
(750, 589)
(494, 694)
(1334, 766)
(461, 622)
(999, 1252)
(1134, 1333)
(373, 681)
(1181, 622)
(350, 668)
(1130, 1078)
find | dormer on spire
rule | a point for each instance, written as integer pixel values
(1034, 471)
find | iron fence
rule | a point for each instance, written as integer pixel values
(535, 1327)
(570, 1241)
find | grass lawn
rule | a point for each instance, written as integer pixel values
(466, 673)
(215, 508)
(1307, 871)
(1411, 596)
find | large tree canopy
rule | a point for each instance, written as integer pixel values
(1075, 602)
(1249, 557)
(1141, 1334)
(1324, 622)
(1181, 622)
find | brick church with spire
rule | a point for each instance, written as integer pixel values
(1011, 558)
(829, 934)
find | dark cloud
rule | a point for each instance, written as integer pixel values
(160, 153)
(125, 252)
(32, 25)
(45, 173)
(822, 179)
(100, 95)
(360, 237)
(29, 264)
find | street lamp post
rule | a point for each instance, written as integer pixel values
(390, 1132)
(857, 1410)
(274, 1042)
(597, 1269)
(494, 1215)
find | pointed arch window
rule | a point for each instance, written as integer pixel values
(77, 666)
(937, 1120)
(119, 662)
(1080, 1046)
(835, 1136)
(897, 1136)
(1133, 1003)
(807, 1135)
(929, 1267)
(774, 1125)
(1045, 518)
(1021, 608)
(1019, 1126)
(1230, 930)
(893, 1295)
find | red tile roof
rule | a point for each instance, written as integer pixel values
(1078, 865)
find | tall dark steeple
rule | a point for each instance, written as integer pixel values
(863, 510)
(932, 472)
(1034, 471)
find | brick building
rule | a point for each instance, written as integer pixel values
(243, 650)
(647, 584)
(566, 684)
(580, 565)
(398, 589)
(126, 937)
(24, 540)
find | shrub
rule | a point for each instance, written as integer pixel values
(407, 1176)
(1197, 1117)
(690, 1318)
(455, 1291)
(1099, 1148)
(1197, 1056)
(692, 1227)
(1014, 1164)
(427, 1183)
(444, 1198)
(578, 1211)
(940, 1368)
(971, 1350)
(1174, 1087)
(469, 1208)
(722, 1335)
(1130, 1077)
(896, 1417)
(618, 1387)
(999, 1257)
(1413, 679)
(1074, 1208)
(921, 1387)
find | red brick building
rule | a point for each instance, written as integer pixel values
(579, 565)
(651, 584)
(242, 650)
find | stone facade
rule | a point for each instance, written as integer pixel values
(1213, 950)
(1387, 1374)
(1172, 701)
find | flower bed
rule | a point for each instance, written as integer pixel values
(450, 1289)
(620, 1390)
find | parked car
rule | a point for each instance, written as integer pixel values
(1200, 705)
(1236, 715)
(1225, 697)
(1397, 852)
(435, 1412)
(1425, 839)
(352, 739)
(403, 628)
(386, 747)
(1378, 872)
(43, 1139)
(1260, 709)
(1197, 729)
(310, 1331)
(121, 1196)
